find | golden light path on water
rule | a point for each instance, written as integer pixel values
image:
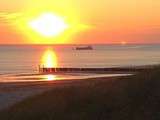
(50, 77)
(49, 60)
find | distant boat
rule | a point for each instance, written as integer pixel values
(84, 48)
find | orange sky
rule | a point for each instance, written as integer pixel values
(109, 21)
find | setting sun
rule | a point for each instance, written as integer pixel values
(48, 25)
(49, 59)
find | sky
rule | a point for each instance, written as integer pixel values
(87, 21)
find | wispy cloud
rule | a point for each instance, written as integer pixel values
(8, 17)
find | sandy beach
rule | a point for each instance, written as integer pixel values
(11, 93)
(16, 88)
(112, 98)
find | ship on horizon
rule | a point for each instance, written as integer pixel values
(84, 48)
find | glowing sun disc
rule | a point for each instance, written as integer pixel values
(48, 25)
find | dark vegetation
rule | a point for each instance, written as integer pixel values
(124, 98)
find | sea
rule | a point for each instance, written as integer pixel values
(25, 59)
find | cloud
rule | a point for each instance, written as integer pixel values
(9, 17)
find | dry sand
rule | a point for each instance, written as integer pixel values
(11, 93)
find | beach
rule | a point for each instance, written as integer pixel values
(15, 88)
(127, 97)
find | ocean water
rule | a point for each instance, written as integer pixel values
(26, 58)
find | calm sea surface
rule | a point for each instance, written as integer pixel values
(25, 59)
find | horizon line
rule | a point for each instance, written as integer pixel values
(84, 44)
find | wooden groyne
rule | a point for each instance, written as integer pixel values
(56, 70)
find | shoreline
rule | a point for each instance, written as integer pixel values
(12, 93)
(84, 74)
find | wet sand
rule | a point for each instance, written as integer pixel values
(14, 92)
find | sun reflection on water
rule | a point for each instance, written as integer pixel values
(50, 77)
(49, 59)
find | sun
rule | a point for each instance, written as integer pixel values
(48, 25)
